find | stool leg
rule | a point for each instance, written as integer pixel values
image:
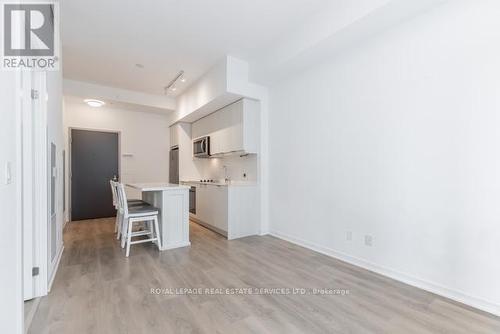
(118, 226)
(150, 227)
(157, 231)
(124, 231)
(129, 238)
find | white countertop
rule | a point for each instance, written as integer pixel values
(156, 186)
(224, 184)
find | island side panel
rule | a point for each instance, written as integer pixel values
(175, 218)
(155, 198)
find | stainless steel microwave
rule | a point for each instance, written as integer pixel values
(201, 147)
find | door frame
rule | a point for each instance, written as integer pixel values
(42, 188)
(69, 174)
(27, 150)
(32, 151)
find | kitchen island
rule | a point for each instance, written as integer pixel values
(173, 202)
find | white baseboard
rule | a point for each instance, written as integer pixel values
(437, 289)
(176, 245)
(51, 281)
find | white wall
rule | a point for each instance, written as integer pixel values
(144, 135)
(11, 302)
(398, 138)
(206, 91)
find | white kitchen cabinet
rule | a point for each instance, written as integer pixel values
(229, 130)
(234, 128)
(211, 206)
(243, 211)
(174, 135)
(218, 195)
(233, 211)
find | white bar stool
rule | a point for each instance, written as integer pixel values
(130, 202)
(132, 214)
(115, 204)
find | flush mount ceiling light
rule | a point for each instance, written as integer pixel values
(94, 103)
(172, 84)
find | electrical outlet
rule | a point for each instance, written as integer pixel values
(348, 236)
(8, 173)
(368, 240)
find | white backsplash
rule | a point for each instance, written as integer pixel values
(237, 166)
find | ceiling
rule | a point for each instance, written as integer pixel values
(104, 40)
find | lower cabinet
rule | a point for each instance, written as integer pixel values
(231, 211)
(211, 206)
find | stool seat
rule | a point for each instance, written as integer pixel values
(145, 210)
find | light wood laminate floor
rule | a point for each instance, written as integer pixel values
(99, 290)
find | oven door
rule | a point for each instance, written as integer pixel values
(192, 200)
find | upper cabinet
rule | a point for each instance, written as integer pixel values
(174, 135)
(234, 128)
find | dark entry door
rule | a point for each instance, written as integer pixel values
(94, 161)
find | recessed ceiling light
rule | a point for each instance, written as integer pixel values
(139, 65)
(94, 103)
(173, 89)
(183, 79)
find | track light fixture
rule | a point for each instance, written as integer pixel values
(172, 87)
